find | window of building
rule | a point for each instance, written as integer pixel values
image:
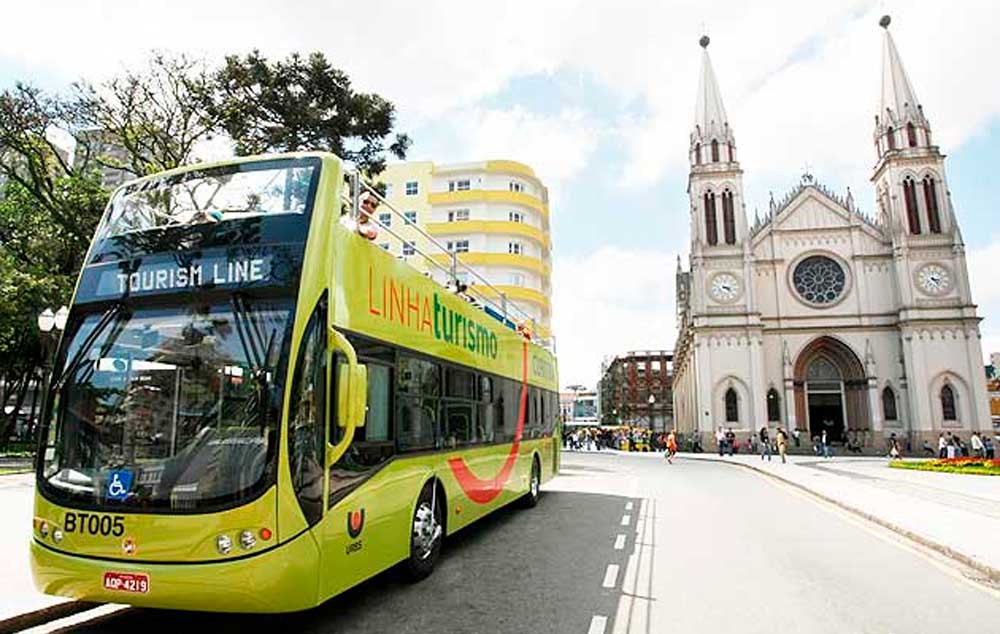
(773, 406)
(458, 215)
(517, 279)
(412, 188)
(697, 153)
(384, 245)
(948, 408)
(409, 248)
(930, 201)
(711, 230)
(461, 185)
(732, 406)
(715, 151)
(385, 219)
(889, 404)
(728, 217)
(516, 186)
(388, 190)
(458, 246)
(891, 138)
(515, 248)
(910, 199)
(515, 216)
(911, 135)
(411, 217)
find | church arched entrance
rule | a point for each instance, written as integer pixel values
(830, 390)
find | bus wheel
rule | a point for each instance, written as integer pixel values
(530, 498)
(425, 534)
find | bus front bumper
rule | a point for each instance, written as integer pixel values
(282, 579)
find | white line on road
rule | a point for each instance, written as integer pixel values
(626, 519)
(620, 542)
(597, 624)
(610, 576)
(628, 507)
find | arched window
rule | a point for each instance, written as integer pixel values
(930, 199)
(910, 199)
(715, 151)
(773, 406)
(891, 138)
(948, 403)
(732, 152)
(888, 404)
(911, 135)
(732, 406)
(728, 217)
(697, 153)
(711, 230)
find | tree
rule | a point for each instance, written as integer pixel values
(152, 120)
(303, 104)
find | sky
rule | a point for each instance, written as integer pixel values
(598, 97)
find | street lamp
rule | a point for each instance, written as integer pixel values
(652, 399)
(48, 322)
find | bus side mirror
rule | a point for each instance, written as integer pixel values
(352, 395)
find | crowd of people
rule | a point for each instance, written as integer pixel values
(621, 437)
(951, 446)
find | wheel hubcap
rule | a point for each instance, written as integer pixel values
(426, 530)
(534, 482)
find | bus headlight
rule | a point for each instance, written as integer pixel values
(43, 529)
(247, 540)
(57, 535)
(224, 544)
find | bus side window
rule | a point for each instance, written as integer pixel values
(508, 408)
(460, 408)
(418, 386)
(306, 422)
(487, 410)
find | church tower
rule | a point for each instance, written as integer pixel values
(932, 279)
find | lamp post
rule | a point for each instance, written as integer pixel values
(652, 399)
(51, 326)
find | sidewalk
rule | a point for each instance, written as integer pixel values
(958, 515)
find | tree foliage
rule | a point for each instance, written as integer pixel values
(303, 103)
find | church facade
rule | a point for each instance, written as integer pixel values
(818, 316)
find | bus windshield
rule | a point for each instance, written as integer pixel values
(212, 195)
(171, 408)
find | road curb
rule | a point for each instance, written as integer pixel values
(992, 573)
(45, 615)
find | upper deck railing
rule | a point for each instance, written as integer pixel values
(495, 303)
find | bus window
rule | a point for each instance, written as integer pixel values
(486, 420)
(508, 408)
(306, 428)
(460, 410)
(417, 403)
(377, 418)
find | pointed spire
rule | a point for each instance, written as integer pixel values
(710, 115)
(897, 97)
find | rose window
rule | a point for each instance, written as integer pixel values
(819, 280)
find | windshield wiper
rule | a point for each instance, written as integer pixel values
(114, 313)
(256, 351)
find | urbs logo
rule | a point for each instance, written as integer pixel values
(355, 522)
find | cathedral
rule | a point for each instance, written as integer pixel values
(818, 316)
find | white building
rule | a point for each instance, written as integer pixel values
(819, 316)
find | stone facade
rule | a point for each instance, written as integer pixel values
(818, 316)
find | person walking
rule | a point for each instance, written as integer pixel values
(765, 443)
(894, 448)
(977, 445)
(671, 447)
(942, 446)
(782, 437)
(825, 443)
(730, 440)
(720, 440)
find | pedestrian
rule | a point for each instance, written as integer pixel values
(825, 443)
(730, 440)
(720, 440)
(751, 443)
(671, 447)
(893, 447)
(782, 438)
(765, 444)
(977, 445)
(942, 446)
(988, 450)
(795, 436)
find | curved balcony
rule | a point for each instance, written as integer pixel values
(490, 196)
(501, 227)
(476, 258)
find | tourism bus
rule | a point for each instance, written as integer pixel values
(255, 408)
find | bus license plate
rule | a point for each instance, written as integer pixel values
(126, 582)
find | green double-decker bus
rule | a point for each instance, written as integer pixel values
(255, 408)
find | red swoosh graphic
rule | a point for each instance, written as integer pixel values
(482, 491)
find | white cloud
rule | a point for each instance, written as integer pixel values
(983, 263)
(610, 301)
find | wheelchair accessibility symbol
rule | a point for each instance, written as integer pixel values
(119, 484)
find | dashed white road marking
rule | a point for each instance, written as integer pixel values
(628, 506)
(597, 624)
(626, 519)
(620, 542)
(610, 576)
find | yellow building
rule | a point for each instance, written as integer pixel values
(493, 215)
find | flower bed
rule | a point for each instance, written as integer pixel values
(977, 466)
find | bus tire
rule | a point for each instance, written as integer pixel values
(426, 533)
(530, 499)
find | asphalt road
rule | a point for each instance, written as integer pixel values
(704, 548)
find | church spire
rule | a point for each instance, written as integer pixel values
(712, 139)
(900, 121)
